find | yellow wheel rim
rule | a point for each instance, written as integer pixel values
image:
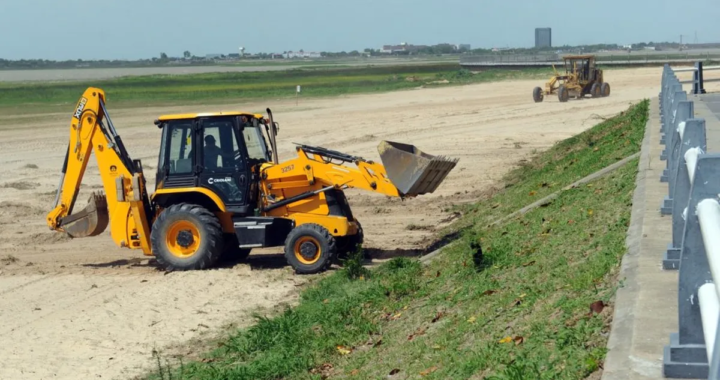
(307, 250)
(183, 239)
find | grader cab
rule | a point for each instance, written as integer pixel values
(581, 77)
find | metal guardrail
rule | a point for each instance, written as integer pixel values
(693, 178)
(546, 60)
(698, 80)
(554, 57)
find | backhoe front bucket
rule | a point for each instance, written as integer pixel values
(411, 170)
(91, 221)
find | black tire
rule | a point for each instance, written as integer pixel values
(186, 237)
(595, 90)
(605, 89)
(537, 95)
(563, 94)
(232, 249)
(309, 239)
(348, 244)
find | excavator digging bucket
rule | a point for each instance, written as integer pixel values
(411, 170)
(91, 221)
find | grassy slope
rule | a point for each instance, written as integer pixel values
(523, 312)
(328, 81)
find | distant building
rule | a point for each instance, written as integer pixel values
(302, 54)
(402, 48)
(543, 37)
(213, 56)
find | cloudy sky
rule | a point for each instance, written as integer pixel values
(131, 29)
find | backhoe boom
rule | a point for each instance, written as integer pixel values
(126, 205)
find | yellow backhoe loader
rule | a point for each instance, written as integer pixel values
(220, 189)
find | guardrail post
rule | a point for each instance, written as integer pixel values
(670, 173)
(673, 87)
(698, 81)
(663, 84)
(663, 81)
(686, 357)
(672, 122)
(715, 361)
(685, 111)
(694, 136)
(676, 96)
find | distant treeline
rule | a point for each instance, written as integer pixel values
(188, 59)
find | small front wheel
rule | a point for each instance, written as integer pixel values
(537, 95)
(349, 244)
(310, 248)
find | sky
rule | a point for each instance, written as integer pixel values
(134, 29)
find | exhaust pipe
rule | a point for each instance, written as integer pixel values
(91, 221)
(413, 171)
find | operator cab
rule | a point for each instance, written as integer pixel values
(583, 65)
(218, 152)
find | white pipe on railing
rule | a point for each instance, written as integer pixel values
(709, 314)
(708, 213)
(691, 157)
(681, 129)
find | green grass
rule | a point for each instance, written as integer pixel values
(522, 310)
(213, 87)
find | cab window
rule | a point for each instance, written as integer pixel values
(220, 147)
(254, 141)
(180, 134)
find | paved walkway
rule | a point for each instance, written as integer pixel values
(646, 302)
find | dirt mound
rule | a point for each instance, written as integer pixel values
(21, 185)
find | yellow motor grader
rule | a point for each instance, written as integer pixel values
(220, 189)
(581, 77)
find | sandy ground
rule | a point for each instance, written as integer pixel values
(85, 308)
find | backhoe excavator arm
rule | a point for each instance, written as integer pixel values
(303, 172)
(126, 206)
(407, 172)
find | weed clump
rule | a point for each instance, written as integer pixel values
(353, 265)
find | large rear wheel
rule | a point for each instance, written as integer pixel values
(563, 94)
(595, 90)
(605, 89)
(309, 248)
(186, 237)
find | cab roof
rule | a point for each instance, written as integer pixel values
(208, 114)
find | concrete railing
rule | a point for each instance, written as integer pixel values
(693, 178)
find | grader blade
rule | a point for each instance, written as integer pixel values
(91, 221)
(413, 171)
